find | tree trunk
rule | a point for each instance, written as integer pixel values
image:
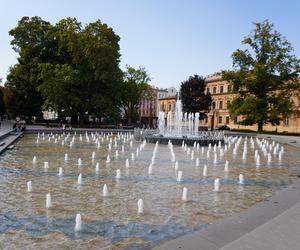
(129, 120)
(260, 126)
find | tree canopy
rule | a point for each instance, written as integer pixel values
(264, 77)
(193, 96)
(67, 67)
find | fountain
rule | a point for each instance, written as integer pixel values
(179, 176)
(226, 166)
(104, 191)
(150, 169)
(176, 165)
(184, 194)
(197, 162)
(48, 201)
(241, 179)
(204, 170)
(78, 223)
(108, 159)
(34, 160)
(179, 126)
(97, 167)
(118, 174)
(66, 157)
(46, 164)
(127, 163)
(29, 186)
(140, 204)
(79, 179)
(217, 185)
(154, 177)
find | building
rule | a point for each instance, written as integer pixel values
(148, 111)
(149, 108)
(167, 104)
(50, 115)
(220, 91)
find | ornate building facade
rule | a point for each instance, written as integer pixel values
(220, 91)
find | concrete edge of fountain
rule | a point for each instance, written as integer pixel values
(7, 139)
(35, 130)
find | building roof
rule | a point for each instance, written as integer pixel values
(169, 97)
(214, 78)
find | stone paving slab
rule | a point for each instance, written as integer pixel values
(280, 233)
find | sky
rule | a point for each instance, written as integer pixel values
(172, 39)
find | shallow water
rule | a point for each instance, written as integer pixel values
(113, 221)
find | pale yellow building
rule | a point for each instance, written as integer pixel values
(167, 104)
(219, 114)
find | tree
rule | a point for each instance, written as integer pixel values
(23, 97)
(33, 43)
(193, 96)
(263, 77)
(135, 87)
(61, 89)
(71, 69)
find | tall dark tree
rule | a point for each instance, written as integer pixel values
(264, 77)
(193, 96)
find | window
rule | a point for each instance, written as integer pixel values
(169, 107)
(228, 102)
(214, 90)
(214, 105)
(221, 89)
(221, 105)
(207, 90)
(220, 119)
(227, 119)
(229, 88)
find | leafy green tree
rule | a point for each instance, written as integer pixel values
(135, 87)
(75, 68)
(264, 77)
(24, 99)
(32, 41)
(193, 96)
(59, 88)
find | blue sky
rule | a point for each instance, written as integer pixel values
(172, 39)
